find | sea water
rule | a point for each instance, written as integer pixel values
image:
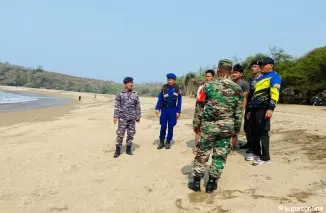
(10, 98)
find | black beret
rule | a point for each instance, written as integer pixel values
(127, 80)
(255, 63)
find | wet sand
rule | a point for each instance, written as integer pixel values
(64, 162)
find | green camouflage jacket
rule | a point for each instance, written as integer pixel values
(219, 103)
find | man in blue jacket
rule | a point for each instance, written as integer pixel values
(169, 104)
(260, 111)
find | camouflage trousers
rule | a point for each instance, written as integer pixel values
(130, 126)
(208, 142)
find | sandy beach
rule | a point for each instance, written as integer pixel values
(60, 159)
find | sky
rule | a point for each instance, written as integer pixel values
(146, 39)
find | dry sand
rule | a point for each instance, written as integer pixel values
(60, 159)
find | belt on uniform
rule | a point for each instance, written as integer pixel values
(168, 106)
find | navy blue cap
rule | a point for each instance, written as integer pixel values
(267, 60)
(171, 75)
(127, 80)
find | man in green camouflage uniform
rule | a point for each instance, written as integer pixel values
(219, 111)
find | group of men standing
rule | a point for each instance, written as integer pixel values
(223, 101)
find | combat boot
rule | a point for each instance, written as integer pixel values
(195, 186)
(211, 185)
(168, 145)
(117, 152)
(128, 150)
(161, 145)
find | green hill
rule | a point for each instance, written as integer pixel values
(14, 75)
(302, 77)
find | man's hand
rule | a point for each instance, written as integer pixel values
(195, 151)
(196, 130)
(234, 141)
(178, 115)
(248, 115)
(157, 112)
(115, 120)
(268, 114)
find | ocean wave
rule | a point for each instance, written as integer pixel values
(9, 98)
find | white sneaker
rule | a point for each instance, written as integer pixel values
(260, 162)
(251, 157)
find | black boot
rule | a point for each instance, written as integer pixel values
(117, 152)
(211, 185)
(161, 145)
(128, 150)
(168, 145)
(195, 186)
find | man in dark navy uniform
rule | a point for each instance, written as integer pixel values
(169, 104)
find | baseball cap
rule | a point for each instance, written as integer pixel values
(267, 60)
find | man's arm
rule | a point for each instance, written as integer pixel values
(275, 85)
(199, 108)
(159, 101)
(238, 110)
(246, 90)
(138, 109)
(117, 105)
(179, 104)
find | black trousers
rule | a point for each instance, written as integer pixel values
(247, 130)
(260, 127)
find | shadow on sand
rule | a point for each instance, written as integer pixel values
(241, 151)
(157, 142)
(187, 170)
(123, 148)
(190, 144)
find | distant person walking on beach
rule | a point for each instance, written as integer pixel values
(261, 108)
(209, 76)
(255, 71)
(127, 112)
(169, 104)
(218, 117)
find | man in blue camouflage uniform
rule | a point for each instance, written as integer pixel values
(127, 112)
(169, 103)
(218, 117)
(255, 71)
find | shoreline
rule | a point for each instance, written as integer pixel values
(43, 101)
(50, 106)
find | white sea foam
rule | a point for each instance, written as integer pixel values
(9, 98)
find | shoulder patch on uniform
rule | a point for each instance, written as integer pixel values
(277, 86)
